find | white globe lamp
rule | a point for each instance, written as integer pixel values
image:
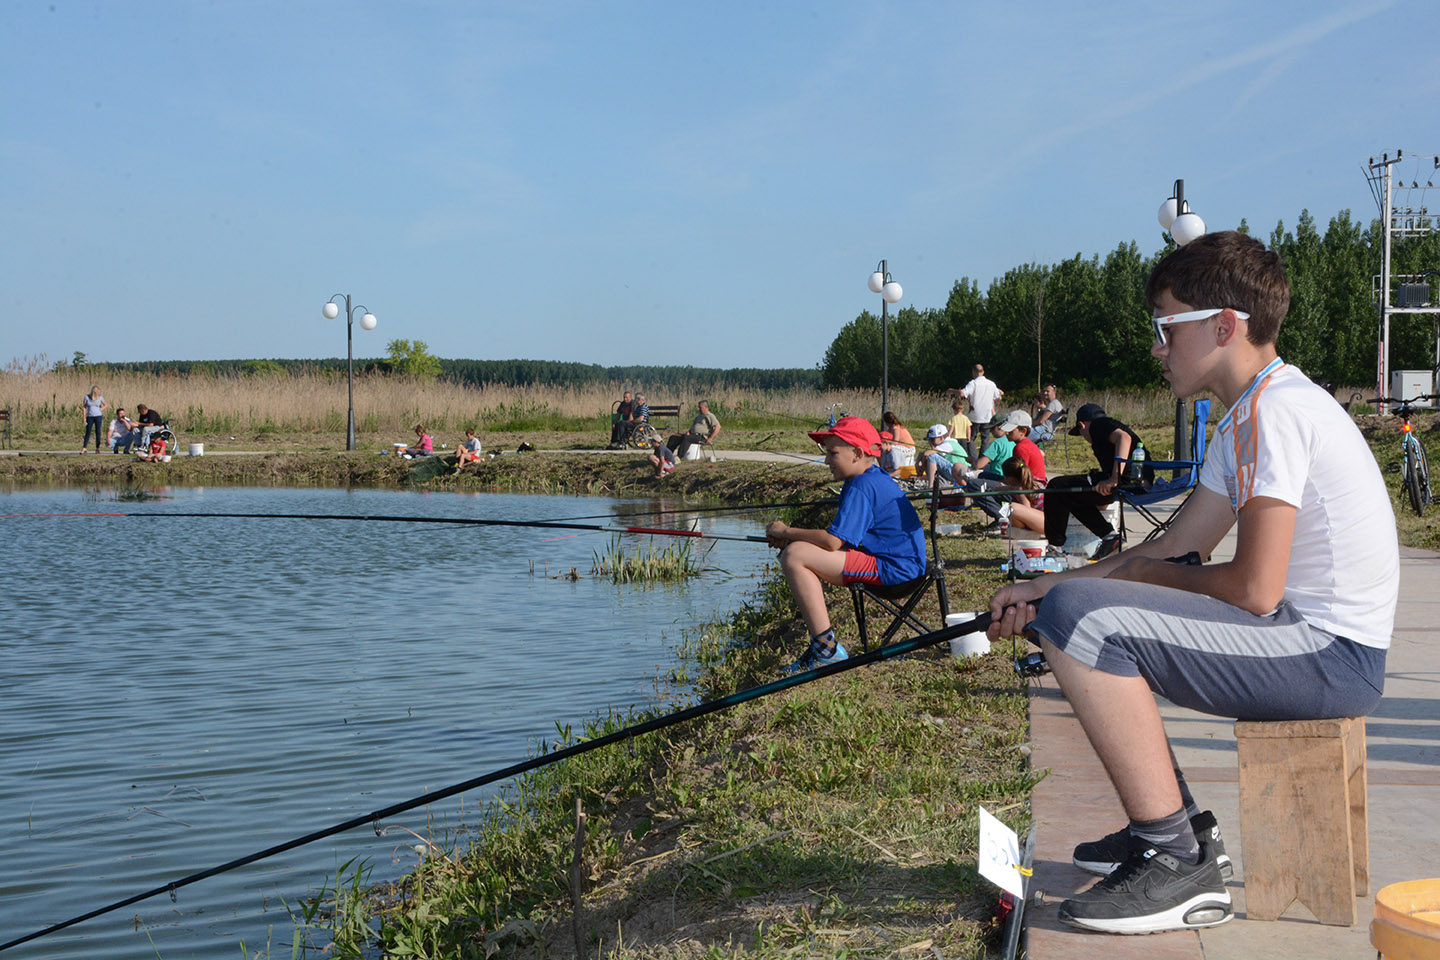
(1169, 210)
(368, 322)
(331, 311)
(892, 292)
(877, 282)
(1188, 226)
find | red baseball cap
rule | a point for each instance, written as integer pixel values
(856, 431)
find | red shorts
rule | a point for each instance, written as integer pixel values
(859, 568)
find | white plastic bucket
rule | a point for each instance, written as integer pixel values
(692, 452)
(197, 449)
(1079, 539)
(969, 644)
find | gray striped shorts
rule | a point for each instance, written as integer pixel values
(1204, 654)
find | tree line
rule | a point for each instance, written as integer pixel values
(1083, 323)
(412, 358)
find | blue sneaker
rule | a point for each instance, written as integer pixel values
(812, 660)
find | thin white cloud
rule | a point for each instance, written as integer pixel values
(1286, 48)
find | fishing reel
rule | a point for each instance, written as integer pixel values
(1031, 665)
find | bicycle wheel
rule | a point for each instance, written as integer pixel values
(1420, 480)
(1417, 478)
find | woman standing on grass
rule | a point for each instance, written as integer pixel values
(94, 407)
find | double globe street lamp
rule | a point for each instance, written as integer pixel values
(1175, 216)
(367, 322)
(890, 292)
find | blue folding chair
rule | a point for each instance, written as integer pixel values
(1185, 476)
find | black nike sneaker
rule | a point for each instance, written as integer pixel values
(1151, 892)
(1103, 856)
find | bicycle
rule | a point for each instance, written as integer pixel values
(1414, 466)
(836, 411)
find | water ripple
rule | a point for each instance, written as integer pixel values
(180, 692)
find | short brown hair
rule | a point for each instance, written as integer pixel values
(1227, 269)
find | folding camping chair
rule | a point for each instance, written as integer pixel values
(1186, 474)
(900, 599)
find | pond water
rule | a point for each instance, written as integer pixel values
(180, 692)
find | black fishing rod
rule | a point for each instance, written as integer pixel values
(701, 709)
(462, 521)
(735, 508)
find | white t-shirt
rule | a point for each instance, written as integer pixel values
(982, 393)
(1288, 439)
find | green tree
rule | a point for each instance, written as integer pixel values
(263, 368)
(915, 350)
(961, 332)
(413, 359)
(1014, 307)
(1305, 337)
(853, 358)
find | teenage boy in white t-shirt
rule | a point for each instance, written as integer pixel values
(1294, 627)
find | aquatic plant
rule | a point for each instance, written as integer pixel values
(675, 563)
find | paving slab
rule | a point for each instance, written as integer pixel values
(1075, 802)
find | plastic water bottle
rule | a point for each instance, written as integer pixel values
(1136, 464)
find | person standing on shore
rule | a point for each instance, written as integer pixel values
(94, 407)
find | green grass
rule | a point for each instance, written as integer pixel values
(675, 563)
(837, 818)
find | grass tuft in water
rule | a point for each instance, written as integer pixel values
(674, 564)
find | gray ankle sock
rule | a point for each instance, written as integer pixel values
(824, 643)
(1172, 835)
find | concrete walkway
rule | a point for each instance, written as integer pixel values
(1076, 802)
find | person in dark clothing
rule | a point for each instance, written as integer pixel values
(1083, 495)
(621, 418)
(149, 422)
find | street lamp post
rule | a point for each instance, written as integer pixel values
(1184, 226)
(890, 292)
(367, 322)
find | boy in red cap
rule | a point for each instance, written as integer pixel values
(876, 537)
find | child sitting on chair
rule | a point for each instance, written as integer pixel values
(876, 537)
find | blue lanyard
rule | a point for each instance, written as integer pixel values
(1270, 368)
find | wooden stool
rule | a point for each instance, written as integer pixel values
(1302, 817)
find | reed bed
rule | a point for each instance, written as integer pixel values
(45, 404)
(676, 563)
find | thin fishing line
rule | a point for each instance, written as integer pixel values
(701, 709)
(738, 508)
(462, 521)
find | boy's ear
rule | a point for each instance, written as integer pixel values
(1226, 326)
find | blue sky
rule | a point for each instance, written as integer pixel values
(641, 182)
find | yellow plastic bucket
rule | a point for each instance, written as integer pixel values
(1406, 925)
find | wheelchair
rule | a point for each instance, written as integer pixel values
(643, 436)
(141, 446)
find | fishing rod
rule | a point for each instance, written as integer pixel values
(735, 508)
(384, 518)
(701, 709)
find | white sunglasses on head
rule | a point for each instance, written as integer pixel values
(1162, 322)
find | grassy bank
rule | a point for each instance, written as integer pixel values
(837, 818)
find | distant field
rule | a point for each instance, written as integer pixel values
(310, 409)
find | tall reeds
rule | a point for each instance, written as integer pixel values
(674, 563)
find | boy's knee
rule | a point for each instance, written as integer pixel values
(792, 557)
